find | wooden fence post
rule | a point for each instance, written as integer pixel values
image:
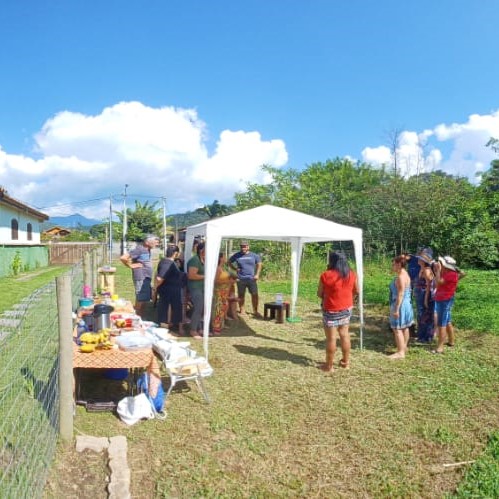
(87, 272)
(65, 313)
(93, 259)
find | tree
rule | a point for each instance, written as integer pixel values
(143, 219)
(215, 209)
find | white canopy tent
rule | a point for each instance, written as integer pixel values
(270, 223)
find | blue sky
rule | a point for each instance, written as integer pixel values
(187, 99)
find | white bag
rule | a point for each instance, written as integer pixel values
(133, 409)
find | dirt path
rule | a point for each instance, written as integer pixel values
(28, 276)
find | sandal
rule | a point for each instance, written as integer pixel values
(344, 365)
(436, 352)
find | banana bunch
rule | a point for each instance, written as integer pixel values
(92, 341)
(120, 323)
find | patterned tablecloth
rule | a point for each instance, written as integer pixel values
(114, 359)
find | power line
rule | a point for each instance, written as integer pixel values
(113, 196)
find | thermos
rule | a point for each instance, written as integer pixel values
(102, 316)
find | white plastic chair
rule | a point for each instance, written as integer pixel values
(183, 364)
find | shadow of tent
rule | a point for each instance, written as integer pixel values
(275, 354)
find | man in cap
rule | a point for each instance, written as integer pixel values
(139, 260)
(248, 266)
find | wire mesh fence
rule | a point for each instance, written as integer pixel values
(29, 389)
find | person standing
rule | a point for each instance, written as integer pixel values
(195, 285)
(168, 289)
(447, 276)
(424, 292)
(337, 288)
(248, 266)
(401, 312)
(223, 283)
(140, 261)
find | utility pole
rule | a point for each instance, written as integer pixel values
(164, 225)
(125, 226)
(110, 255)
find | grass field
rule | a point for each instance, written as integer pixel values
(279, 427)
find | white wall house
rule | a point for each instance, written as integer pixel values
(19, 223)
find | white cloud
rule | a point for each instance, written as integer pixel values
(422, 152)
(158, 152)
(377, 155)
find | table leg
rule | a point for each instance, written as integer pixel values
(279, 318)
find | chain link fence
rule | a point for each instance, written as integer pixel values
(29, 388)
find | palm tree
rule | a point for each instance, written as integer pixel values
(215, 209)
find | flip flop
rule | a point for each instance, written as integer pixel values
(344, 365)
(436, 352)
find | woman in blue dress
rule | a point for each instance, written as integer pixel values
(401, 312)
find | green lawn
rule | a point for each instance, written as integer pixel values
(279, 427)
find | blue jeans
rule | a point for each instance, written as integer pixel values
(443, 309)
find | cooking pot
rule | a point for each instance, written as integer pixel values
(102, 316)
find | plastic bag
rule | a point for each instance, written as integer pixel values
(133, 409)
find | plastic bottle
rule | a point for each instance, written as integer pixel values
(81, 328)
(87, 291)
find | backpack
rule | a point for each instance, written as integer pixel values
(150, 384)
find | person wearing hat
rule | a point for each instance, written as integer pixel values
(447, 275)
(424, 292)
(140, 261)
(248, 266)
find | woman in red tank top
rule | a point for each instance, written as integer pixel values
(337, 288)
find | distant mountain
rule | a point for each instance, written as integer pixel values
(71, 221)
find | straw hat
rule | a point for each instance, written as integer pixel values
(426, 255)
(448, 262)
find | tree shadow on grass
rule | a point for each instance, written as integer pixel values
(275, 354)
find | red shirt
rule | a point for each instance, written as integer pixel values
(338, 292)
(447, 289)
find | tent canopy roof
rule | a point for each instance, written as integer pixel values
(272, 223)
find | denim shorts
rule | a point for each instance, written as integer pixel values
(143, 290)
(443, 311)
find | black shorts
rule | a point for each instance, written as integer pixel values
(247, 284)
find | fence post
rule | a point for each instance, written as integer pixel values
(66, 400)
(93, 259)
(87, 275)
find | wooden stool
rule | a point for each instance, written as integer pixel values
(106, 279)
(276, 311)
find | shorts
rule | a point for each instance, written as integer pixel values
(335, 319)
(247, 284)
(443, 310)
(143, 291)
